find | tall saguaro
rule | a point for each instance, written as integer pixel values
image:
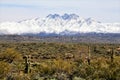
(88, 59)
(112, 55)
(26, 70)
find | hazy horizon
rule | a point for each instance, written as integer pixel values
(102, 10)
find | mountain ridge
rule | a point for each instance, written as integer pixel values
(65, 24)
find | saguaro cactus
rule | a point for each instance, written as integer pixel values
(26, 70)
(112, 55)
(95, 49)
(88, 59)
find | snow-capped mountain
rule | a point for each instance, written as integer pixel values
(58, 24)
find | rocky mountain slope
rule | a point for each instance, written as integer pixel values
(67, 24)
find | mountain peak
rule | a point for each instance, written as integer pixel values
(53, 16)
(69, 16)
(64, 16)
(91, 20)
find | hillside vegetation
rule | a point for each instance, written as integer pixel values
(59, 61)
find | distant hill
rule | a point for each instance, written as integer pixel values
(81, 38)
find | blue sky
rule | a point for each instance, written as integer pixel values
(101, 10)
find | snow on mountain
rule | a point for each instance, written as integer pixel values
(55, 23)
